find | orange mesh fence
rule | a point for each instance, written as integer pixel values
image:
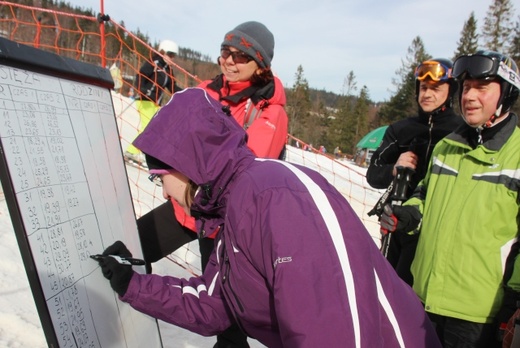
(101, 41)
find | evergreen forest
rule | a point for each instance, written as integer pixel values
(320, 117)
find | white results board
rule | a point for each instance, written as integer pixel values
(68, 196)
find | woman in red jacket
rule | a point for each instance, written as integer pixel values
(255, 98)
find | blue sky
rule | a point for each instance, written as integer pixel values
(328, 38)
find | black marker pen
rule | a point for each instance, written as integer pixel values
(130, 261)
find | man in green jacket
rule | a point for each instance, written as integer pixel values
(466, 269)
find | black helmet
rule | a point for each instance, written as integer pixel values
(487, 65)
(437, 69)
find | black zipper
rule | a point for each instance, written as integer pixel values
(430, 123)
(225, 279)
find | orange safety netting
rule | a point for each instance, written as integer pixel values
(101, 41)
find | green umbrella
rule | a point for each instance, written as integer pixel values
(372, 139)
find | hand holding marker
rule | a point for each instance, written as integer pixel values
(114, 262)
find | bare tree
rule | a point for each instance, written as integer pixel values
(349, 84)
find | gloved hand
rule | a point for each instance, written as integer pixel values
(400, 218)
(118, 274)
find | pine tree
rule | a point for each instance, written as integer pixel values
(403, 103)
(360, 114)
(299, 105)
(342, 127)
(317, 126)
(468, 42)
(498, 26)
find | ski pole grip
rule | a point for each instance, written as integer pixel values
(402, 178)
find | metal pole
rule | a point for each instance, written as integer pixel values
(102, 33)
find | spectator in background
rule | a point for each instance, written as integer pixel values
(115, 72)
(337, 152)
(410, 142)
(153, 82)
(293, 264)
(255, 98)
(466, 269)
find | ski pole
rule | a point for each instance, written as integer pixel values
(400, 187)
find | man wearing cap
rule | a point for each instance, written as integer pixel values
(466, 269)
(409, 143)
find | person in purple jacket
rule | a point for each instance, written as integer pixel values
(293, 265)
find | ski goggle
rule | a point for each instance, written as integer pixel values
(482, 67)
(434, 70)
(237, 56)
(477, 67)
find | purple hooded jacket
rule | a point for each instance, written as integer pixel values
(293, 264)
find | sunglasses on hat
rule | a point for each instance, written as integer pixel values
(434, 70)
(237, 56)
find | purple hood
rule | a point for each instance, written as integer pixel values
(195, 137)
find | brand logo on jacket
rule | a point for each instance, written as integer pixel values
(282, 260)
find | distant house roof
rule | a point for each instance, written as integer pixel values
(372, 139)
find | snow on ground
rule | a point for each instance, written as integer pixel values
(20, 325)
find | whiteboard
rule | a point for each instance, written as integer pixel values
(66, 187)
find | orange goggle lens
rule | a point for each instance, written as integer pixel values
(434, 70)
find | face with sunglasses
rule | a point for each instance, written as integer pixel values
(236, 65)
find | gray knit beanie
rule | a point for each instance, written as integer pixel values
(254, 39)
